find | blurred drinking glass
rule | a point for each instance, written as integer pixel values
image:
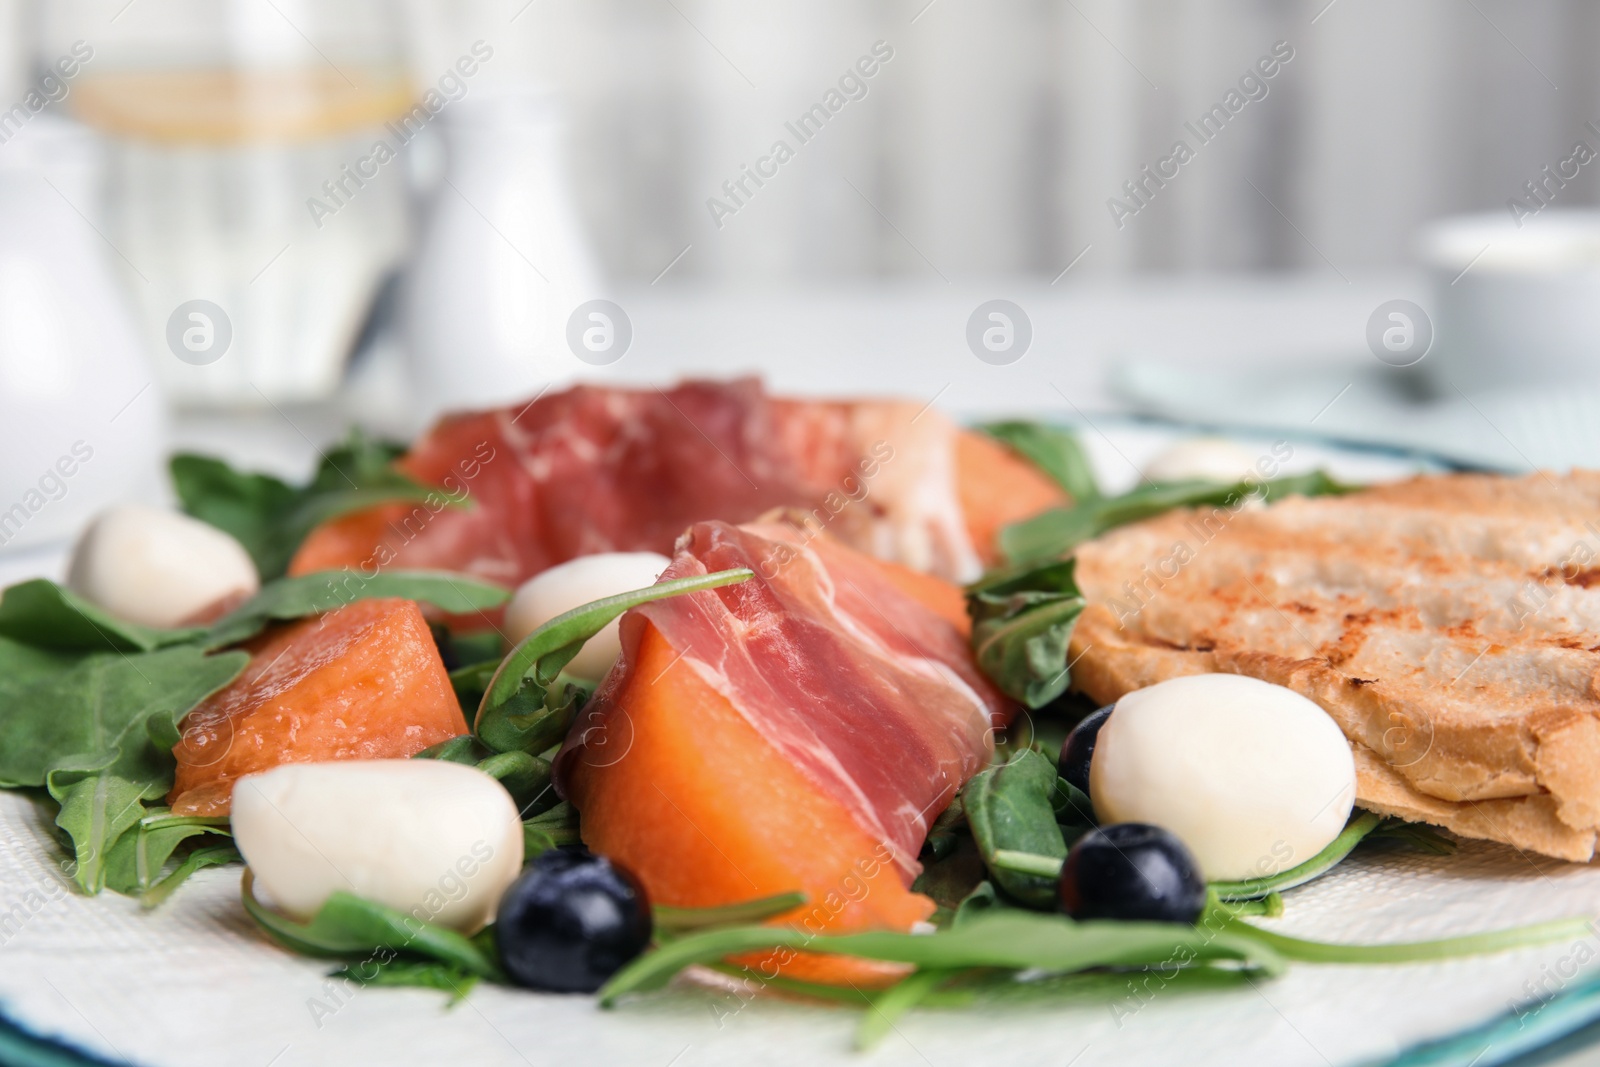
(228, 122)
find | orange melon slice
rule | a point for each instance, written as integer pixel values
(997, 487)
(944, 599)
(706, 811)
(351, 540)
(362, 682)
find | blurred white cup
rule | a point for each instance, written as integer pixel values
(1514, 305)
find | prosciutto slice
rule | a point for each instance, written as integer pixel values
(600, 470)
(872, 695)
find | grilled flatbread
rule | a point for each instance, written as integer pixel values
(1449, 624)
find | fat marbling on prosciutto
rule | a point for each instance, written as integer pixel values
(595, 469)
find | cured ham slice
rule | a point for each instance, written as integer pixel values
(600, 470)
(797, 731)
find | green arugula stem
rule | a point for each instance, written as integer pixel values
(684, 920)
(555, 643)
(525, 707)
(892, 1003)
(1009, 940)
(1352, 835)
(1248, 889)
(164, 818)
(1270, 906)
(198, 859)
(1028, 863)
(348, 926)
(1306, 951)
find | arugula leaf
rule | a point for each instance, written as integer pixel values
(469, 682)
(23, 666)
(951, 879)
(461, 749)
(552, 828)
(1054, 451)
(1010, 807)
(43, 614)
(525, 777)
(981, 901)
(1021, 627)
(1073, 806)
(1054, 533)
(197, 859)
(1011, 939)
(944, 834)
(313, 594)
(96, 811)
(539, 838)
(348, 925)
(417, 974)
(1360, 825)
(460, 650)
(99, 735)
(271, 518)
(522, 708)
(95, 712)
(136, 863)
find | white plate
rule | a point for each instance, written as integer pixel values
(194, 983)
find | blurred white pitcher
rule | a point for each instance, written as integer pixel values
(503, 262)
(81, 419)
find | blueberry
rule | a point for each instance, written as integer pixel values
(1131, 871)
(1078, 749)
(570, 921)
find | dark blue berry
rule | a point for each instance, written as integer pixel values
(571, 921)
(1131, 871)
(1078, 749)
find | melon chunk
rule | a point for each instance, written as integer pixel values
(706, 811)
(997, 487)
(362, 682)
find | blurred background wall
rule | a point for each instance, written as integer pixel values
(993, 139)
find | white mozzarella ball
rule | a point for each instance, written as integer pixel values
(1207, 459)
(156, 567)
(1253, 777)
(573, 584)
(437, 840)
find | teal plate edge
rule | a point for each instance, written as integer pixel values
(1523, 1034)
(20, 1048)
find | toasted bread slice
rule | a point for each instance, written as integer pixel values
(1449, 624)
